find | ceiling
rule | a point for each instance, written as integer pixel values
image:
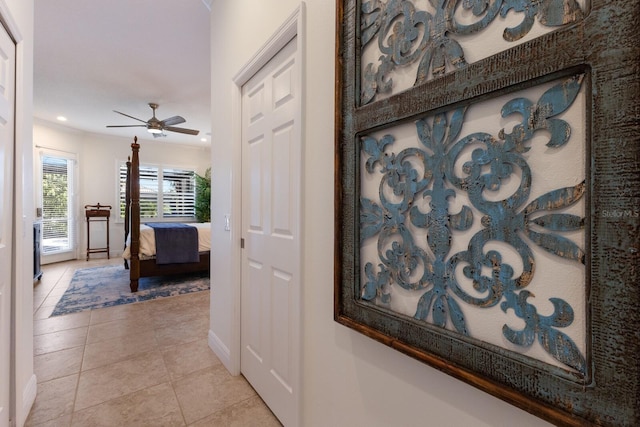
(93, 57)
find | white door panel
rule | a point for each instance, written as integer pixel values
(255, 190)
(282, 204)
(7, 145)
(271, 229)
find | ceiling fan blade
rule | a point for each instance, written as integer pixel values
(131, 117)
(182, 130)
(159, 135)
(126, 126)
(175, 120)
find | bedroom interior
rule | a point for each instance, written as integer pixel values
(97, 174)
(167, 106)
(178, 142)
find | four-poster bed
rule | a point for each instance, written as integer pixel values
(143, 263)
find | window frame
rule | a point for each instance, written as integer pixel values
(160, 199)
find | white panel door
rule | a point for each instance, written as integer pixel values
(271, 154)
(7, 145)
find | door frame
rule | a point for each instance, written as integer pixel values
(292, 27)
(8, 177)
(23, 382)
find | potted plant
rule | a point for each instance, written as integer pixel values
(203, 196)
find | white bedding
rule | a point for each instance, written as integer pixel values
(148, 240)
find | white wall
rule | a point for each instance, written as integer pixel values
(97, 159)
(348, 379)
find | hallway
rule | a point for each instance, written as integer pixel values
(143, 364)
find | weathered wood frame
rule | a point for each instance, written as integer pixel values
(605, 46)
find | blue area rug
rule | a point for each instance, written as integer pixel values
(99, 287)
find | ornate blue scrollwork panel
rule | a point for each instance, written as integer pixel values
(400, 35)
(447, 187)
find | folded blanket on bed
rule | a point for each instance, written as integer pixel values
(175, 243)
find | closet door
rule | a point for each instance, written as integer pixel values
(271, 151)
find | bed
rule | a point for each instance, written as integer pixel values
(140, 246)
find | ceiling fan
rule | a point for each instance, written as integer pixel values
(157, 127)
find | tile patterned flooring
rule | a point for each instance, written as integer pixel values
(143, 364)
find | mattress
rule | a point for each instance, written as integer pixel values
(148, 240)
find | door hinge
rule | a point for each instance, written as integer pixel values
(242, 243)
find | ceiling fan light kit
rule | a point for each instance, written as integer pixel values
(157, 127)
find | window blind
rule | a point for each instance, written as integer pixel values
(171, 189)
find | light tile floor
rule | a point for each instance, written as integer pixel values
(143, 364)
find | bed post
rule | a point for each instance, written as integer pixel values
(127, 206)
(135, 215)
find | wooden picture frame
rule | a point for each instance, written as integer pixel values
(559, 59)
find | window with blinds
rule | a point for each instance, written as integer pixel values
(164, 193)
(57, 180)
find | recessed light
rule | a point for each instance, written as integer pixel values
(203, 139)
(61, 118)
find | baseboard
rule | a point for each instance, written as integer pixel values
(28, 398)
(223, 353)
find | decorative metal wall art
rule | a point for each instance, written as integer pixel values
(487, 202)
(416, 189)
(406, 35)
